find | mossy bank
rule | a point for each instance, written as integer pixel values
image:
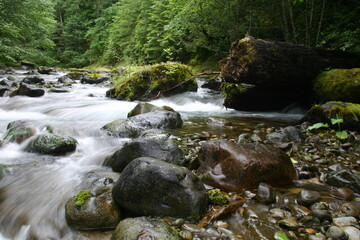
(143, 83)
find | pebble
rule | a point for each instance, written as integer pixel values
(322, 215)
(265, 194)
(291, 222)
(186, 235)
(307, 197)
(353, 232)
(349, 209)
(317, 237)
(343, 193)
(345, 221)
(336, 233)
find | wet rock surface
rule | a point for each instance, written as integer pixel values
(163, 150)
(235, 167)
(133, 127)
(149, 186)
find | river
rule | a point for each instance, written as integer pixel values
(34, 191)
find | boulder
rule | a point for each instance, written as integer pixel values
(213, 83)
(45, 70)
(8, 83)
(234, 167)
(33, 80)
(94, 78)
(149, 186)
(19, 133)
(132, 127)
(92, 210)
(144, 228)
(28, 90)
(51, 144)
(144, 107)
(163, 150)
(338, 85)
(349, 112)
(150, 81)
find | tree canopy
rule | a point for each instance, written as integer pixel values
(82, 32)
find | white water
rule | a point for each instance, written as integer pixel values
(33, 194)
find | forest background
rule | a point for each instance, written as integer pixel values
(78, 33)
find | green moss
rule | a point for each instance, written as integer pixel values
(217, 197)
(81, 197)
(136, 83)
(338, 85)
(344, 110)
(75, 75)
(94, 75)
(231, 91)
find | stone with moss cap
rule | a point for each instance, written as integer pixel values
(146, 82)
(144, 107)
(51, 144)
(338, 85)
(349, 112)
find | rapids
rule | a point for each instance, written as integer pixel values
(34, 190)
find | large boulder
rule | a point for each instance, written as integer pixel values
(51, 144)
(144, 107)
(149, 81)
(149, 186)
(28, 90)
(33, 80)
(348, 112)
(234, 167)
(163, 150)
(132, 127)
(144, 228)
(92, 210)
(3, 90)
(338, 85)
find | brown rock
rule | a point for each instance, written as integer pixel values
(234, 167)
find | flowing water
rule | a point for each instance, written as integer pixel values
(35, 187)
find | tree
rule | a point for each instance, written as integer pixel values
(25, 31)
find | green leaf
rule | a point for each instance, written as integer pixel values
(336, 121)
(342, 135)
(281, 236)
(317, 126)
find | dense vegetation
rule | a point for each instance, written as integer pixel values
(82, 32)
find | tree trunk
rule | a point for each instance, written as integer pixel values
(279, 73)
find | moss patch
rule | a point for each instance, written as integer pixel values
(142, 83)
(338, 85)
(217, 197)
(81, 197)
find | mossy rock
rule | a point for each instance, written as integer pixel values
(76, 75)
(349, 112)
(92, 210)
(19, 133)
(144, 107)
(52, 144)
(146, 82)
(338, 85)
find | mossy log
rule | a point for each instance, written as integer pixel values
(256, 61)
(268, 66)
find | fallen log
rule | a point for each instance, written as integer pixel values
(273, 65)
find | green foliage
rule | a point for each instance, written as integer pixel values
(25, 30)
(317, 126)
(280, 236)
(81, 197)
(217, 197)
